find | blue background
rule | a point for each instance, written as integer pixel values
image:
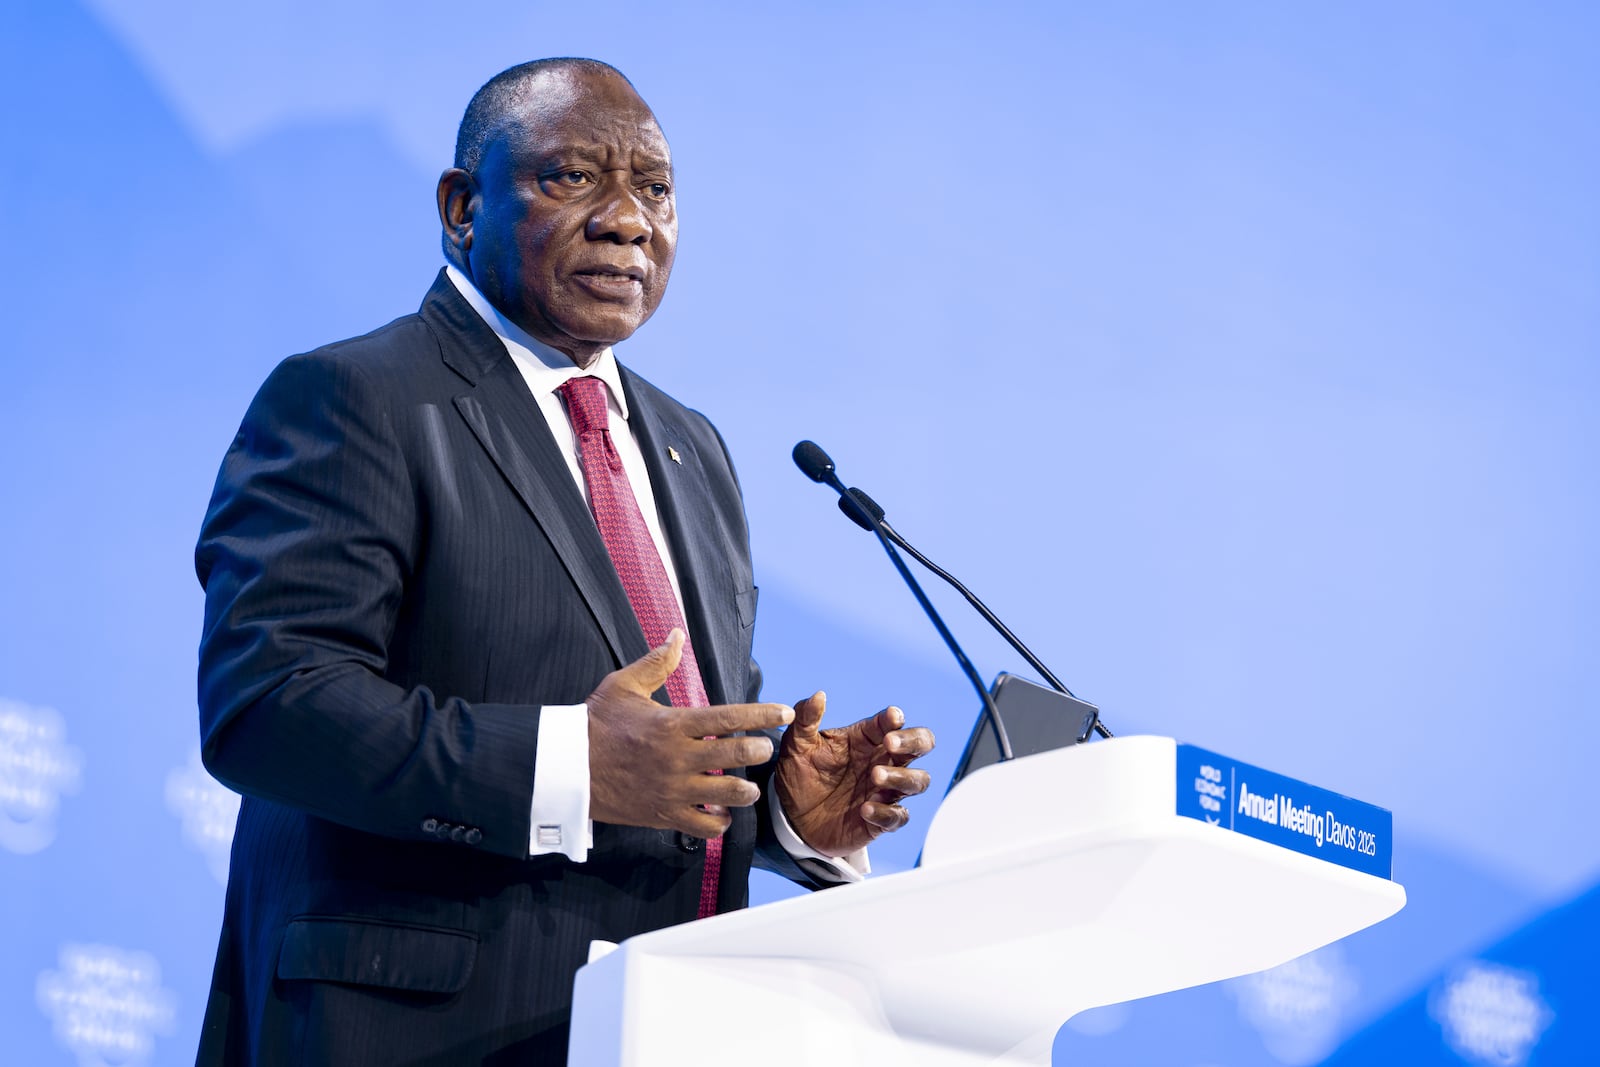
(1243, 356)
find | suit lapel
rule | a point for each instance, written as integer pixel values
(508, 424)
(684, 501)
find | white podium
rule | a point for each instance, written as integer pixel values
(1049, 885)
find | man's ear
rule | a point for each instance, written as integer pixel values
(458, 193)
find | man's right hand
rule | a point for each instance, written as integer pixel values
(648, 762)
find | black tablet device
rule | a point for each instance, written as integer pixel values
(1036, 720)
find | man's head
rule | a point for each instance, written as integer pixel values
(560, 205)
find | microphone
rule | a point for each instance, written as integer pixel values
(864, 511)
(815, 464)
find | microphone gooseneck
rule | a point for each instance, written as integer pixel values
(865, 513)
(815, 464)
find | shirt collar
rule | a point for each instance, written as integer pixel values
(545, 369)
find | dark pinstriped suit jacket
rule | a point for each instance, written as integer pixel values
(399, 571)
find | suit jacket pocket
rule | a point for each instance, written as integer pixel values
(745, 601)
(420, 959)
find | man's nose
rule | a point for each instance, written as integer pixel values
(620, 217)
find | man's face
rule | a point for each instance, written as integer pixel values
(574, 222)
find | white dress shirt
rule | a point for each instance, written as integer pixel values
(561, 822)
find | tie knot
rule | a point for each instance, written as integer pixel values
(586, 404)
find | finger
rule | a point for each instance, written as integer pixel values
(886, 817)
(876, 729)
(896, 782)
(718, 792)
(699, 823)
(808, 715)
(733, 718)
(650, 671)
(722, 753)
(907, 745)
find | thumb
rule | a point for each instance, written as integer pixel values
(808, 715)
(650, 671)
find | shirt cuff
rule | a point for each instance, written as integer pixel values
(561, 824)
(827, 869)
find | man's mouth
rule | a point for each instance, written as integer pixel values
(612, 274)
(620, 285)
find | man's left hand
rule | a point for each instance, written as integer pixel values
(842, 788)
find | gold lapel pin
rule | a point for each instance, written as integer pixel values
(672, 454)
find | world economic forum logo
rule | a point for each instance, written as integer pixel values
(1490, 1014)
(1298, 1008)
(36, 767)
(106, 1004)
(1210, 793)
(208, 811)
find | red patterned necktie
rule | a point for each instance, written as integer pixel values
(633, 552)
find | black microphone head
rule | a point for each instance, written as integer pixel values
(860, 508)
(813, 462)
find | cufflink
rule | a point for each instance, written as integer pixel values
(548, 835)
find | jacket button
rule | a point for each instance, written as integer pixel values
(443, 830)
(688, 843)
(430, 825)
(474, 835)
(458, 833)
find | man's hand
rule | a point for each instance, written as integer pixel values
(842, 788)
(648, 761)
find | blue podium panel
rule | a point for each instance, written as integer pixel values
(1284, 811)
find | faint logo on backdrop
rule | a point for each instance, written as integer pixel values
(1491, 1014)
(106, 1004)
(208, 810)
(1299, 1007)
(36, 767)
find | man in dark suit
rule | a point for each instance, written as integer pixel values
(424, 660)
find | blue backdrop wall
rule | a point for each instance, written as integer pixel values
(1244, 356)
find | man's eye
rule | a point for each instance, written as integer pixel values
(659, 190)
(575, 177)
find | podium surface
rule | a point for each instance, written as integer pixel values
(1049, 885)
